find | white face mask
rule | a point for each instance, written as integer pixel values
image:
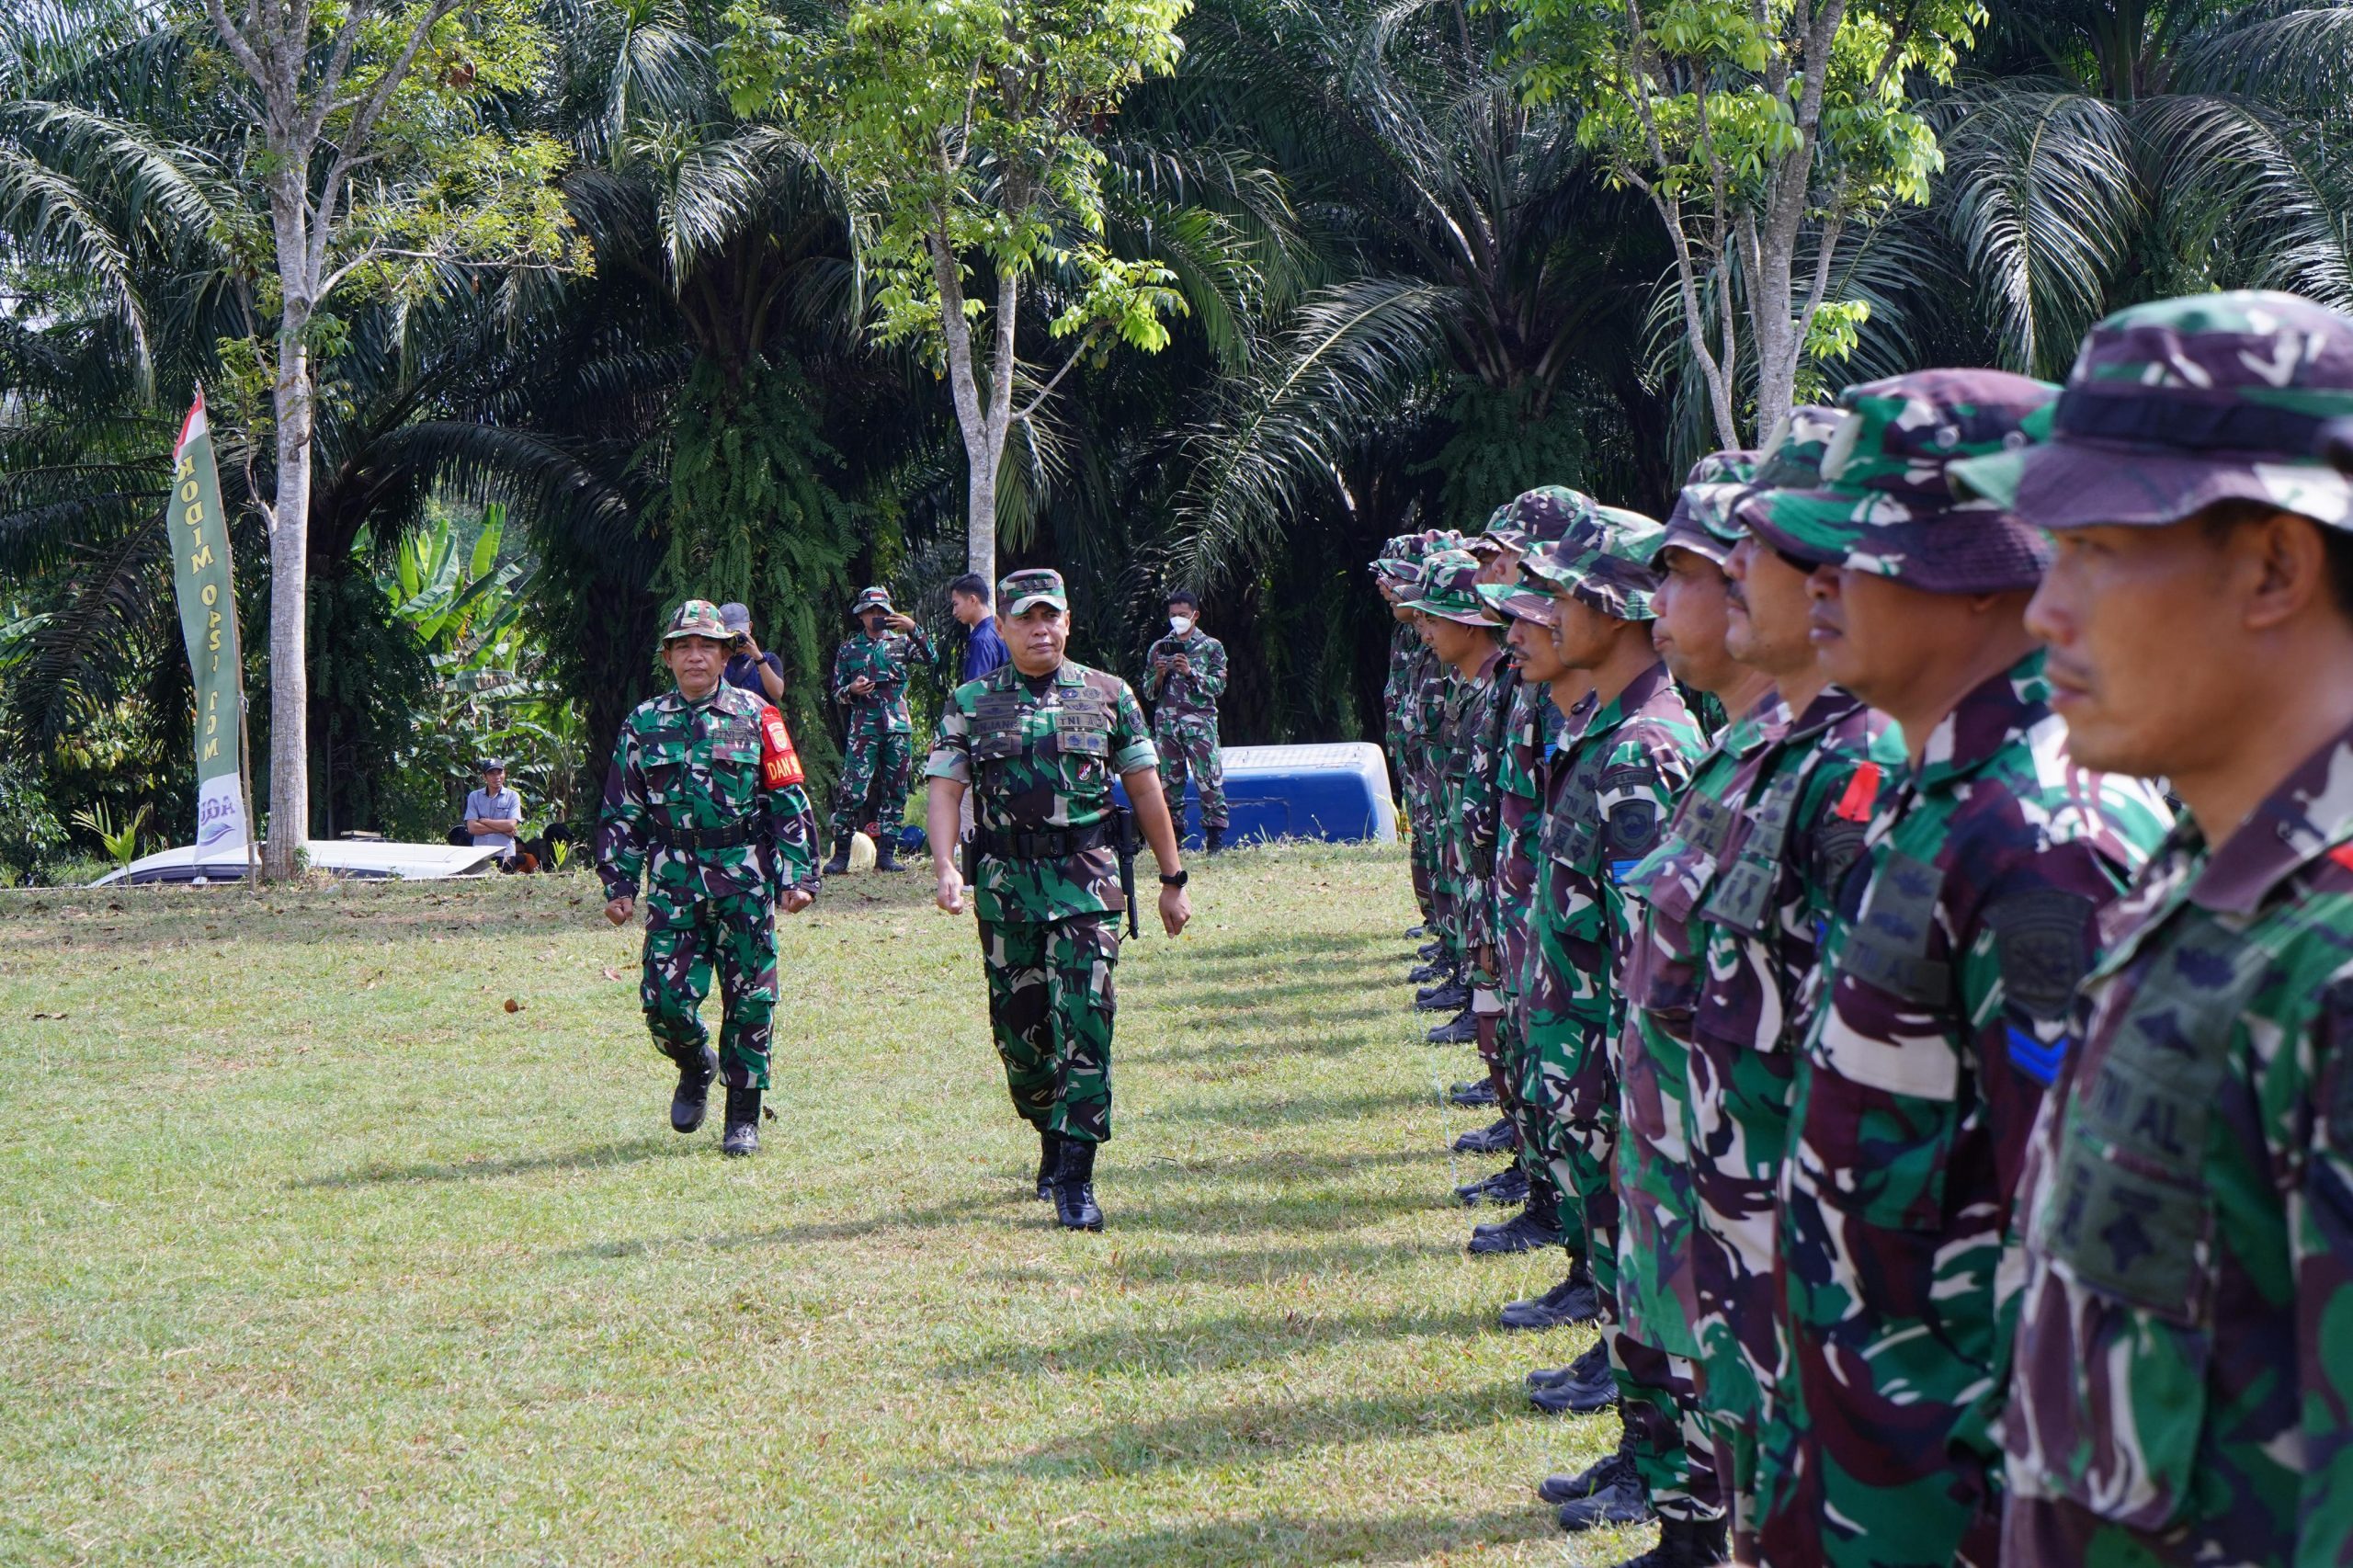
(1180, 624)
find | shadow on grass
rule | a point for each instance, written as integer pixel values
(941, 1216)
(1312, 1033)
(1257, 1265)
(1277, 1164)
(1303, 1539)
(377, 1174)
(1291, 1109)
(1210, 1345)
(1243, 1434)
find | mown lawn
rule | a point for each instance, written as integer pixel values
(313, 1252)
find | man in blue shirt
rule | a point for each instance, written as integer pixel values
(494, 813)
(760, 674)
(967, 601)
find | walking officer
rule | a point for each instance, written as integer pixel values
(1184, 675)
(1039, 741)
(704, 800)
(870, 680)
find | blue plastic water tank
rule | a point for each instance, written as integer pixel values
(1336, 790)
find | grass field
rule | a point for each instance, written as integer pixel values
(313, 1252)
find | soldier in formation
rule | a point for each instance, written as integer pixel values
(870, 672)
(1038, 743)
(1950, 1150)
(704, 807)
(1184, 675)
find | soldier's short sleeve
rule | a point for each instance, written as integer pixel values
(951, 746)
(1634, 798)
(1131, 747)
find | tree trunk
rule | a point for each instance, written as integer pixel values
(290, 756)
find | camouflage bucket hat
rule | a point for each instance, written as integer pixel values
(2179, 403)
(1604, 563)
(1885, 505)
(1450, 589)
(1536, 516)
(870, 598)
(1518, 601)
(1790, 459)
(697, 618)
(1702, 519)
(1019, 590)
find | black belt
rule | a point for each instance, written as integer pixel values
(726, 836)
(1042, 843)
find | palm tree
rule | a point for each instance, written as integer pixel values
(2112, 151)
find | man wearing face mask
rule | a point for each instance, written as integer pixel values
(870, 680)
(1184, 676)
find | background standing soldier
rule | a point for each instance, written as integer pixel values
(1039, 741)
(704, 799)
(2182, 1386)
(870, 680)
(1184, 676)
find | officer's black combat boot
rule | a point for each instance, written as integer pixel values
(1214, 839)
(692, 1101)
(1685, 1543)
(1460, 1030)
(1598, 1476)
(1573, 1300)
(886, 853)
(839, 865)
(1414, 933)
(1589, 1390)
(1494, 1139)
(1049, 1160)
(1538, 1224)
(1472, 1095)
(1445, 996)
(743, 1122)
(1075, 1189)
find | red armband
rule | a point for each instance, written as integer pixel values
(1862, 793)
(779, 764)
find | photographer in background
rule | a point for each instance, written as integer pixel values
(760, 674)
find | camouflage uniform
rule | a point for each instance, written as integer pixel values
(1040, 756)
(1751, 943)
(1608, 794)
(2182, 1382)
(877, 750)
(1941, 1012)
(1184, 725)
(687, 807)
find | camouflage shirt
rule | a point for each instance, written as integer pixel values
(1662, 983)
(1531, 723)
(1172, 691)
(1607, 792)
(884, 660)
(1802, 802)
(688, 766)
(1472, 744)
(1940, 1013)
(2183, 1383)
(1043, 754)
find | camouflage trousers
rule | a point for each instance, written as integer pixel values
(1667, 1437)
(1051, 1007)
(876, 764)
(1736, 1124)
(686, 941)
(1187, 743)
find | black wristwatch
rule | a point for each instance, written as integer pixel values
(1178, 881)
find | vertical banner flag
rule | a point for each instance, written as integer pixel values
(200, 575)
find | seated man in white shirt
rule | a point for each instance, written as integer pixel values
(494, 813)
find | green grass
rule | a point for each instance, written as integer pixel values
(310, 1251)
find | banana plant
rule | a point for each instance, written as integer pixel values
(121, 843)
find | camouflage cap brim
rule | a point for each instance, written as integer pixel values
(1514, 601)
(1447, 609)
(1969, 548)
(1684, 533)
(1058, 601)
(2076, 485)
